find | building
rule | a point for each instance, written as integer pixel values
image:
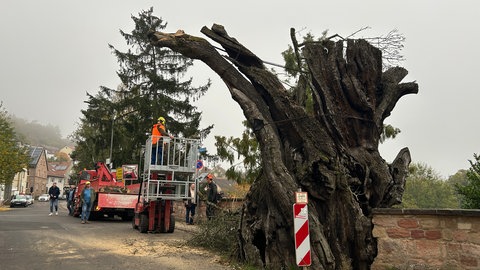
(59, 172)
(20, 182)
(66, 150)
(37, 171)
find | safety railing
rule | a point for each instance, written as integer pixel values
(170, 167)
(172, 154)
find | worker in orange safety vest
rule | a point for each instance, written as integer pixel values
(158, 130)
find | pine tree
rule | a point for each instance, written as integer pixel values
(152, 85)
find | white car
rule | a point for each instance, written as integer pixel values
(44, 198)
(29, 199)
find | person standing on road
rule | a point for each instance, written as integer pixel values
(190, 205)
(54, 192)
(87, 197)
(211, 197)
(70, 201)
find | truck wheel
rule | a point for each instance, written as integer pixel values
(172, 224)
(143, 227)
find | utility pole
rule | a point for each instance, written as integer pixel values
(110, 163)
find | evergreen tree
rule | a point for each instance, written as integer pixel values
(470, 191)
(118, 121)
(13, 157)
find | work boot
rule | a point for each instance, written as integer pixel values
(83, 222)
(50, 214)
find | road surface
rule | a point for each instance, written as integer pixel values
(31, 239)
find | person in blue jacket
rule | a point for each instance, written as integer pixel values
(87, 197)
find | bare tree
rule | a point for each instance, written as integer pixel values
(333, 154)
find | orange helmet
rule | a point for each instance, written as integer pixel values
(210, 176)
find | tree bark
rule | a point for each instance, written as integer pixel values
(332, 154)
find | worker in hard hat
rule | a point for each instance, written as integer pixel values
(158, 130)
(87, 197)
(211, 196)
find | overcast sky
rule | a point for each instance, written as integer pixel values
(53, 52)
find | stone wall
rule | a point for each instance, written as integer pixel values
(408, 239)
(427, 239)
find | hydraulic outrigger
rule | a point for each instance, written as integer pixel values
(165, 181)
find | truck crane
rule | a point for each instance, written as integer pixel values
(112, 197)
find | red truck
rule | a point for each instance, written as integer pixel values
(112, 197)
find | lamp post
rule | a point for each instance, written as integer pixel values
(110, 163)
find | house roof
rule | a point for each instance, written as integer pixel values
(58, 168)
(35, 153)
(225, 184)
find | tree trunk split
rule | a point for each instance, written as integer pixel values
(332, 154)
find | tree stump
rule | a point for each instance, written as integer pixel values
(331, 153)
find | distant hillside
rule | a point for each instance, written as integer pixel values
(36, 134)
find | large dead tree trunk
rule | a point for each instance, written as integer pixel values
(332, 154)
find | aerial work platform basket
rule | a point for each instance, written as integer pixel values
(170, 168)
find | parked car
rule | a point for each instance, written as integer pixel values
(44, 198)
(30, 199)
(19, 200)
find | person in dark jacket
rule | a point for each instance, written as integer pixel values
(70, 201)
(211, 196)
(53, 192)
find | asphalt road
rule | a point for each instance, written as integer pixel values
(31, 239)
